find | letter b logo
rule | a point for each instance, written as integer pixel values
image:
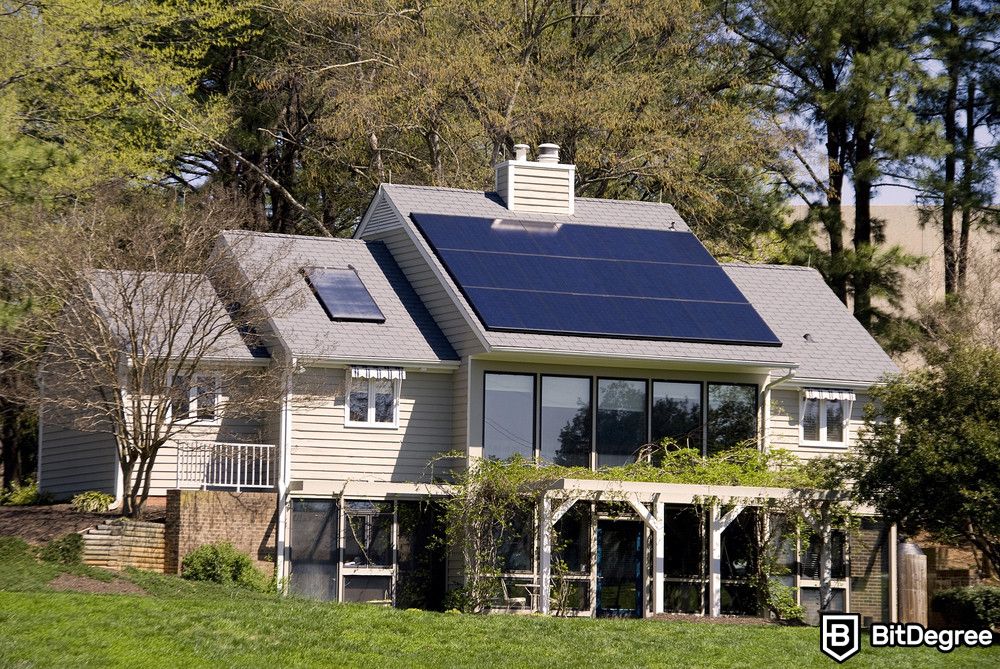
(840, 635)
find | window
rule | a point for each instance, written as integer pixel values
(621, 420)
(373, 398)
(732, 415)
(677, 413)
(509, 415)
(368, 534)
(195, 398)
(565, 421)
(824, 416)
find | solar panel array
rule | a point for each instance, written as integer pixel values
(343, 295)
(592, 280)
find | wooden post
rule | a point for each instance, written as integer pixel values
(545, 554)
(912, 584)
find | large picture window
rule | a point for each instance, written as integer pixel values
(621, 420)
(565, 421)
(676, 413)
(732, 415)
(508, 415)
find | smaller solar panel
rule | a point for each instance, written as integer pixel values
(342, 295)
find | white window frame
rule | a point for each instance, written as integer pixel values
(371, 423)
(193, 384)
(823, 441)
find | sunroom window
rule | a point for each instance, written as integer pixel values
(373, 396)
(509, 415)
(824, 416)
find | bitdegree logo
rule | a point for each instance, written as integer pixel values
(840, 635)
(907, 635)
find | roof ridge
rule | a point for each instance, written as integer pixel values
(279, 235)
(764, 265)
(493, 192)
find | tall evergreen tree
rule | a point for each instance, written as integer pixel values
(845, 70)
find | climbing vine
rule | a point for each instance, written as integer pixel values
(494, 501)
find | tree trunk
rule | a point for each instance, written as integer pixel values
(862, 228)
(968, 170)
(948, 188)
(833, 220)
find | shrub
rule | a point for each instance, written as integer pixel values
(67, 549)
(92, 501)
(24, 495)
(975, 607)
(221, 563)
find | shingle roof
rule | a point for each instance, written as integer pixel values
(409, 333)
(587, 211)
(171, 313)
(794, 301)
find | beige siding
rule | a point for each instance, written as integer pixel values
(74, 461)
(420, 275)
(542, 189)
(784, 424)
(326, 453)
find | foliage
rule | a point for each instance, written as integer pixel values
(222, 563)
(92, 501)
(975, 607)
(494, 502)
(930, 456)
(67, 549)
(24, 495)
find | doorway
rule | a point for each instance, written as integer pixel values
(619, 568)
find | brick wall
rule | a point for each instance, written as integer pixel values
(869, 571)
(248, 520)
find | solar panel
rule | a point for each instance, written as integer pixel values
(592, 280)
(342, 295)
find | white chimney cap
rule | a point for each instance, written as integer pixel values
(521, 152)
(548, 153)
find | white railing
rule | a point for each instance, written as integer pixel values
(209, 465)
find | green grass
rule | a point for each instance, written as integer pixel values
(196, 625)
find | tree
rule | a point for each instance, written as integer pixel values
(140, 315)
(845, 75)
(963, 42)
(930, 456)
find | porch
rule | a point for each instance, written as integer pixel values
(226, 466)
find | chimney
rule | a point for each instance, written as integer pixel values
(545, 185)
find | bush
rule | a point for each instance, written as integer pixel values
(221, 563)
(67, 549)
(975, 607)
(92, 501)
(23, 495)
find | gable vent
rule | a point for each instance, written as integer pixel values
(544, 185)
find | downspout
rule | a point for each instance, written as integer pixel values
(284, 475)
(766, 392)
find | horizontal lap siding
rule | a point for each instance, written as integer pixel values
(74, 461)
(784, 429)
(324, 450)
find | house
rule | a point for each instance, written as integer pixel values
(528, 321)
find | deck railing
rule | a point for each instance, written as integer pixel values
(209, 465)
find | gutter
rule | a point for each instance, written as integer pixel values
(687, 360)
(766, 392)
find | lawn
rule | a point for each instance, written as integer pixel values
(178, 623)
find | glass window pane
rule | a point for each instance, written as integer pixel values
(517, 541)
(370, 589)
(572, 544)
(810, 420)
(180, 397)
(684, 542)
(368, 534)
(732, 415)
(739, 546)
(314, 549)
(677, 413)
(205, 397)
(565, 421)
(811, 604)
(421, 556)
(385, 400)
(834, 420)
(508, 416)
(358, 400)
(810, 557)
(621, 420)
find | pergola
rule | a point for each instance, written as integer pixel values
(649, 501)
